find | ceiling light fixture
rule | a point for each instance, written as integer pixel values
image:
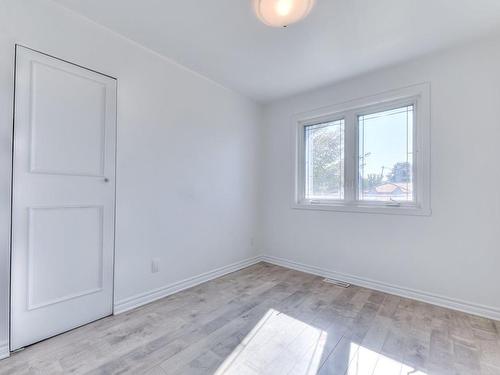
(281, 13)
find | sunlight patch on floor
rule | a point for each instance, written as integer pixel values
(364, 361)
(278, 344)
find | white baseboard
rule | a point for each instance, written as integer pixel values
(144, 298)
(4, 350)
(451, 303)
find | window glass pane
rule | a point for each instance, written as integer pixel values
(386, 155)
(324, 160)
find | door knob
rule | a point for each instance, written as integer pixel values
(106, 179)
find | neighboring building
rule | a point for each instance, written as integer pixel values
(391, 190)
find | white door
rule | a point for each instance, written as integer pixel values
(63, 197)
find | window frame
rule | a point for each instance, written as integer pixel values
(303, 149)
(419, 97)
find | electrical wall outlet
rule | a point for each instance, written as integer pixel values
(155, 265)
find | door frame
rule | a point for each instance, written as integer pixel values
(10, 250)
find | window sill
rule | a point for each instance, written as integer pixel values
(364, 208)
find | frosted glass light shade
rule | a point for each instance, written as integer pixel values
(281, 13)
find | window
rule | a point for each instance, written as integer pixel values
(324, 160)
(370, 155)
(386, 155)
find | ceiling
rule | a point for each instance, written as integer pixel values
(223, 40)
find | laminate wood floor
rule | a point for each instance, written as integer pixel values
(270, 320)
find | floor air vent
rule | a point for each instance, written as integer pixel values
(342, 284)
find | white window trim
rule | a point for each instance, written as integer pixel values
(416, 95)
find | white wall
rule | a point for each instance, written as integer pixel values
(187, 153)
(453, 253)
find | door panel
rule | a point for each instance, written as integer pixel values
(57, 95)
(48, 244)
(63, 197)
